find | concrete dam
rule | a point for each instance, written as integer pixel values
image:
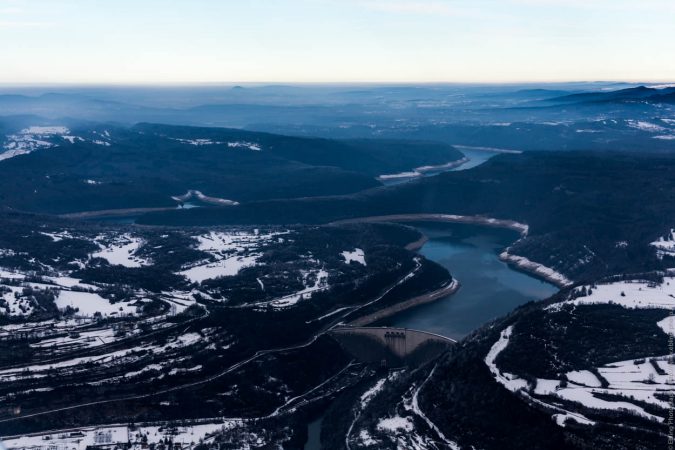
(391, 347)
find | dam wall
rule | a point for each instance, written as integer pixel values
(391, 347)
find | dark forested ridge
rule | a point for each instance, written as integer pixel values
(640, 93)
(104, 167)
(575, 203)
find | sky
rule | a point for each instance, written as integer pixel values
(221, 41)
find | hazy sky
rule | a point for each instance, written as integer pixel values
(145, 41)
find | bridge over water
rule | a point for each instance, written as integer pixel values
(391, 346)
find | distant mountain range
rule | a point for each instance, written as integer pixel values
(640, 93)
(571, 116)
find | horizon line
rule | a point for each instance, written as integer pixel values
(319, 83)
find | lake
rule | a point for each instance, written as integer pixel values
(476, 158)
(489, 287)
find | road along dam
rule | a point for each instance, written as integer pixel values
(392, 347)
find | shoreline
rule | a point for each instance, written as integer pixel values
(418, 244)
(487, 149)
(450, 218)
(420, 171)
(535, 269)
(423, 299)
(192, 193)
(519, 262)
(103, 213)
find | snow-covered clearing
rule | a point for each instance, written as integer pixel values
(57, 236)
(200, 142)
(644, 126)
(370, 394)
(89, 303)
(45, 131)
(395, 424)
(243, 144)
(181, 300)
(230, 252)
(665, 245)
(222, 268)
(121, 435)
(628, 294)
(118, 358)
(72, 139)
(218, 243)
(197, 142)
(120, 250)
(320, 283)
(30, 139)
(357, 256)
(630, 380)
(16, 306)
(364, 437)
(20, 303)
(583, 377)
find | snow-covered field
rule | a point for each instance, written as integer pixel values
(634, 381)
(139, 437)
(30, 139)
(356, 256)
(35, 138)
(243, 144)
(665, 245)
(229, 252)
(89, 303)
(115, 358)
(644, 126)
(222, 268)
(629, 294)
(395, 424)
(16, 306)
(404, 428)
(120, 250)
(320, 283)
(200, 142)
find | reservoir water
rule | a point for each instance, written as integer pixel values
(489, 287)
(476, 158)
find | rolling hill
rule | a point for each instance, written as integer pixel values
(59, 169)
